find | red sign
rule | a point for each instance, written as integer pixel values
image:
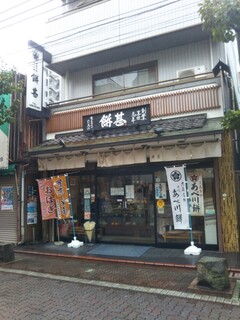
(47, 201)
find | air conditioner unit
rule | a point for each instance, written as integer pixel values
(191, 72)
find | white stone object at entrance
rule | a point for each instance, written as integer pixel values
(192, 250)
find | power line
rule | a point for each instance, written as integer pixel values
(55, 8)
(15, 6)
(116, 17)
(26, 18)
(105, 24)
(110, 40)
(30, 9)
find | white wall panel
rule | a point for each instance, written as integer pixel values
(218, 52)
(114, 23)
(169, 61)
(184, 57)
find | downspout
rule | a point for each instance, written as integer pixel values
(66, 86)
(22, 205)
(223, 90)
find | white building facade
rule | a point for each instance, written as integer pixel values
(143, 89)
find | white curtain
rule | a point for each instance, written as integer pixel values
(61, 163)
(198, 150)
(119, 158)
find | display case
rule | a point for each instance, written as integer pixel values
(121, 212)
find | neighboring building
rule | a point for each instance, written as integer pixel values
(143, 89)
(12, 141)
(51, 87)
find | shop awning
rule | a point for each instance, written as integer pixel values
(61, 162)
(182, 138)
(182, 152)
(9, 171)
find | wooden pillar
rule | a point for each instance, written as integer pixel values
(227, 194)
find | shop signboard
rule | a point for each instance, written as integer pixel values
(178, 195)
(87, 203)
(195, 191)
(61, 196)
(160, 190)
(47, 201)
(117, 119)
(35, 80)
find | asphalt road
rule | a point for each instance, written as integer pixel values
(38, 287)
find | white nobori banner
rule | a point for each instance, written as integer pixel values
(178, 195)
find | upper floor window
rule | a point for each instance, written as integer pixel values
(125, 78)
(34, 133)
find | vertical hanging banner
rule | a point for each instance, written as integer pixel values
(87, 203)
(4, 135)
(47, 201)
(178, 196)
(61, 196)
(35, 79)
(195, 191)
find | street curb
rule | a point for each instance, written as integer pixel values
(112, 260)
(103, 259)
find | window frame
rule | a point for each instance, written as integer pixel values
(125, 71)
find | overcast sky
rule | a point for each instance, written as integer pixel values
(20, 21)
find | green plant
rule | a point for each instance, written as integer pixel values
(221, 18)
(9, 85)
(231, 120)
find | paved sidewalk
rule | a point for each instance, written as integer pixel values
(161, 272)
(163, 278)
(155, 279)
(153, 256)
(28, 295)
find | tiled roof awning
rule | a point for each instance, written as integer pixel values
(168, 126)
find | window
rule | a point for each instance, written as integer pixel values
(126, 208)
(34, 133)
(125, 78)
(202, 208)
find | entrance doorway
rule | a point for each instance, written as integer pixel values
(126, 208)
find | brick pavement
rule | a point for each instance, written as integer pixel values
(167, 278)
(134, 274)
(166, 289)
(35, 296)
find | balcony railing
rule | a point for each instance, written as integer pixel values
(195, 99)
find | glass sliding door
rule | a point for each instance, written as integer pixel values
(201, 190)
(126, 208)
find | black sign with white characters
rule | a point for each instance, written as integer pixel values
(117, 119)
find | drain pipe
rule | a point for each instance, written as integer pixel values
(22, 206)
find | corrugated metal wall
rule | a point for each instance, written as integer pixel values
(115, 23)
(169, 61)
(9, 218)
